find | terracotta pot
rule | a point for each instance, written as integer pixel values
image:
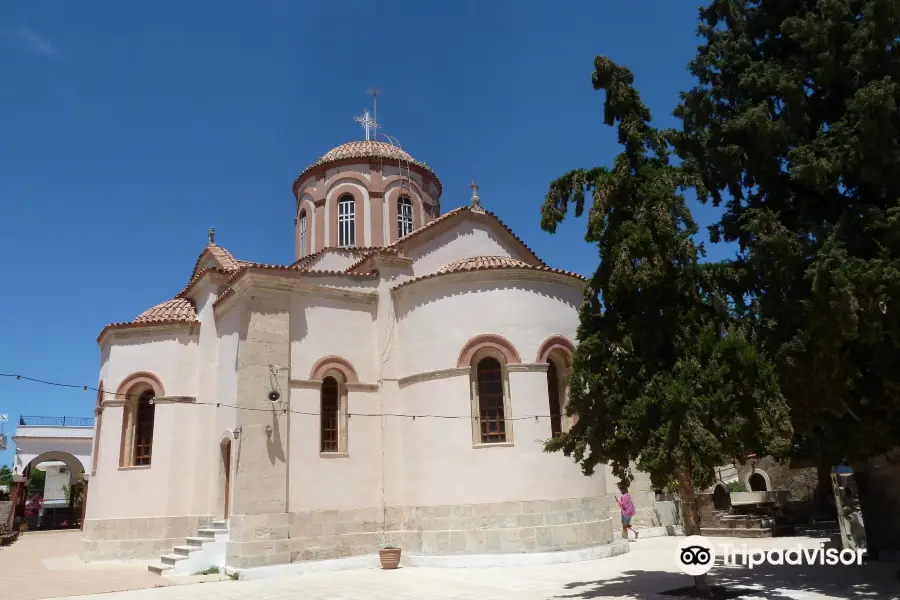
(390, 558)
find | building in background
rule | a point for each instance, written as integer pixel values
(61, 448)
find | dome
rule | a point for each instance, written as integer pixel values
(366, 149)
(177, 309)
(484, 262)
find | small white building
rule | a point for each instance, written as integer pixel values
(56, 479)
(392, 384)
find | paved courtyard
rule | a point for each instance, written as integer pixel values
(46, 565)
(642, 574)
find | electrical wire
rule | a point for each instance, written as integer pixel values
(85, 388)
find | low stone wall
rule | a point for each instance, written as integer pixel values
(778, 497)
(509, 527)
(668, 512)
(5, 509)
(145, 538)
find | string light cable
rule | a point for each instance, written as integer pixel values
(85, 388)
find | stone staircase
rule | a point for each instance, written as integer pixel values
(759, 520)
(205, 550)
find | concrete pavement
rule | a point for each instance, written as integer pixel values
(644, 573)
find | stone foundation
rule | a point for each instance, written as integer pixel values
(128, 539)
(509, 527)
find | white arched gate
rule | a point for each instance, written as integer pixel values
(65, 445)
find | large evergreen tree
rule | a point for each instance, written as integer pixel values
(794, 126)
(663, 377)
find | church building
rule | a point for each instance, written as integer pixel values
(392, 385)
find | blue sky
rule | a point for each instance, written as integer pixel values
(127, 129)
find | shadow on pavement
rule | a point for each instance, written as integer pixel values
(870, 581)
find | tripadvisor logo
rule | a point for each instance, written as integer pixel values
(696, 555)
(798, 555)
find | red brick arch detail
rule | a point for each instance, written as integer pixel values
(140, 377)
(327, 363)
(488, 340)
(563, 345)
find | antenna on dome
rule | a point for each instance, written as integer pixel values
(373, 91)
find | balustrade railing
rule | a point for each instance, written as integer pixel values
(56, 421)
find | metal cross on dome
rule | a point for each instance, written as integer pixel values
(368, 123)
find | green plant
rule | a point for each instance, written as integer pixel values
(209, 571)
(735, 486)
(6, 475)
(665, 376)
(79, 490)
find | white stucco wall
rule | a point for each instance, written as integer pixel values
(172, 357)
(172, 484)
(466, 239)
(438, 317)
(323, 326)
(440, 466)
(334, 482)
(334, 260)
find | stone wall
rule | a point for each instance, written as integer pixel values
(259, 524)
(509, 527)
(128, 539)
(801, 483)
(5, 509)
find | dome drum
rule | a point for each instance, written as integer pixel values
(363, 193)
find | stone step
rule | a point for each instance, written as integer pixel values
(209, 532)
(220, 524)
(198, 541)
(159, 569)
(171, 559)
(186, 550)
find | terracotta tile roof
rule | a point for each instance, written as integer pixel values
(298, 269)
(225, 258)
(365, 149)
(483, 262)
(197, 277)
(176, 309)
(489, 263)
(364, 250)
(461, 210)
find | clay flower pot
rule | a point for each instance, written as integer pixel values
(390, 557)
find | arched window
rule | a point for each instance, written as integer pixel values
(491, 413)
(143, 439)
(346, 221)
(303, 234)
(404, 216)
(329, 413)
(553, 385)
(137, 439)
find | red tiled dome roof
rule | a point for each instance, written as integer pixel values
(483, 262)
(177, 309)
(487, 263)
(366, 149)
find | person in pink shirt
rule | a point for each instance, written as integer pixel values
(626, 506)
